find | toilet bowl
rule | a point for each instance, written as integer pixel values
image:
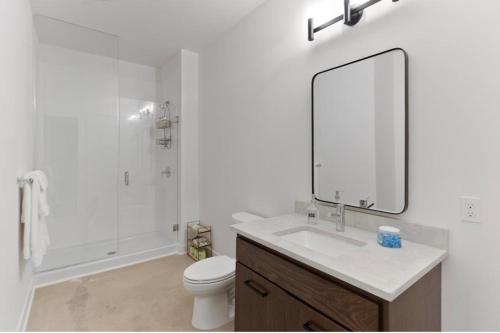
(211, 282)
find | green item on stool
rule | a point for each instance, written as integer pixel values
(193, 251)
(202, 254)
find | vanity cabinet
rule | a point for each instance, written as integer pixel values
(266, 307)
(276, 293)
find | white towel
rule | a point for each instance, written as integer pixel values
(34, 210)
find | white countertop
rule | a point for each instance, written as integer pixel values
(383, 272)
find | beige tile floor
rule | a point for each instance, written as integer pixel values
(144, 297)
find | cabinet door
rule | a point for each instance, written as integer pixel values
(258, 301)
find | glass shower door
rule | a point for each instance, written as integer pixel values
(148, 186)
(77, 140)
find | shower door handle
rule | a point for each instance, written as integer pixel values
(126, 178)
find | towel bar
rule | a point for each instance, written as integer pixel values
(22, 181)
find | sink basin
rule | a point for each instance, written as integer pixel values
(321, 241)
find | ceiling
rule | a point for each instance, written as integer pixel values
(151, 31)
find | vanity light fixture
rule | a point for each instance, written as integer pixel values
(350, 17)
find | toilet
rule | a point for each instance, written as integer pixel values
(211, 282)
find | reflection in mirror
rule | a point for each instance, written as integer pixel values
(359, 133)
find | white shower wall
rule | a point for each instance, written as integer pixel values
(77, 137)
(179, 83)
(137, 200)
(158, 196)
(150, 197)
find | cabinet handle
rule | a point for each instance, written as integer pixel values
(257, 288)
(310, 326)
(126, 178)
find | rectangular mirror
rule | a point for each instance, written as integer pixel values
(360, 133)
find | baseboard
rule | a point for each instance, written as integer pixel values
(25, 314)
(181, 249)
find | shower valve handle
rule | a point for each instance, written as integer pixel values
(127, 178)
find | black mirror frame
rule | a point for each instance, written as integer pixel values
(356, 208)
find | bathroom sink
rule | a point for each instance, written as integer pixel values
(321, 241)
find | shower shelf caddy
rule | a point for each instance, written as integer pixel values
(165, 124)
(199, 241)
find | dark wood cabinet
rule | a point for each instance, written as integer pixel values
(258, 302)
(263, 306)
(276, 293)
(301, 317)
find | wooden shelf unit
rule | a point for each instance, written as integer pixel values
(199, 241)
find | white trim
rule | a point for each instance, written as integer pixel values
(181, 249)
(25, 313)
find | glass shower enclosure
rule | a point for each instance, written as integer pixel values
(112, 187)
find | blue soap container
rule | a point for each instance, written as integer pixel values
(389, 237)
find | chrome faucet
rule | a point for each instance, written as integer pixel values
(339, 213)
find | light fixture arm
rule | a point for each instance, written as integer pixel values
(350, 17)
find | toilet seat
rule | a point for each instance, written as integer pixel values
(211, 270)
(208, 282)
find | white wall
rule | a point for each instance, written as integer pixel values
(17, 44)
(138, 81)
(255, 125)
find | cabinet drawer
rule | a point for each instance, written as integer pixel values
(262, 306)
(305, 318)
(344, 306)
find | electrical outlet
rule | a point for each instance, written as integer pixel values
(471, 209)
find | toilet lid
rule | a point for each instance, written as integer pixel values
(211, 269)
